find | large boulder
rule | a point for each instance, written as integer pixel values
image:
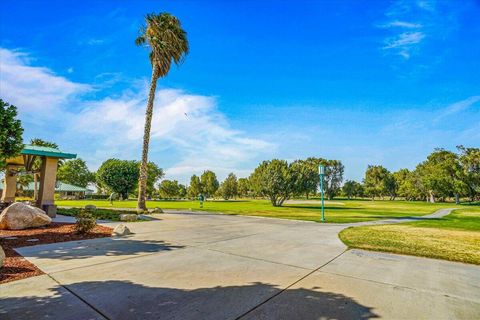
(22, 216)
(2, 256)
(121, 230)
(156, 210)
(128, 217)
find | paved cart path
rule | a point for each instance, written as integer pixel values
(204, 266)
(436, 215)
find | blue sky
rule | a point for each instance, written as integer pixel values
(378, 82)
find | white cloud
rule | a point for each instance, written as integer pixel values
(404, 40)
(421, 123)
(188, 124)
(34, 89)
(401, 24)
(93, 41)
(406, 36)
(189, 134)
(457, 107)
(426, 5)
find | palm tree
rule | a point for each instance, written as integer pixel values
(38, 162)
(167, 41)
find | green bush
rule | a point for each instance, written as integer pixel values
(97, 196)
(86, 221)
(99, 213)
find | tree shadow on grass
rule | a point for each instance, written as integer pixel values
(319, 207)
(420, 218)
(227, 201)
(121, 246)
(380, 218)
(127, 300)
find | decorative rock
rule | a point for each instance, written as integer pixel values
(128, 217)
(90, 207)
(121, 230)
(156, 210)
(20, 216)
(2, 256)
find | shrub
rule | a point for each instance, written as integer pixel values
(85, 221)
(97, 196)
(99, 213)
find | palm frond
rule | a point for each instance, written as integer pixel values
(167, 40)
(140, 40)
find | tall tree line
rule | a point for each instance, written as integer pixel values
(276, 180)
(443, 175)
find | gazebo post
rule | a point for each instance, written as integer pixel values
(10, 185)
(48, 174)
(48, 177)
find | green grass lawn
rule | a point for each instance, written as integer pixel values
(455, 237)
(336, 211)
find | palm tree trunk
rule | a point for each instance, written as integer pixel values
(35, 186)
(142, 180)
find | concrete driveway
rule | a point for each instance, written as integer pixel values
(201, 266)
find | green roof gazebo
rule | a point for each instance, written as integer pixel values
(47, 173)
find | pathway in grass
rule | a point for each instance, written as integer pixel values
(455, 237)
(337, 211)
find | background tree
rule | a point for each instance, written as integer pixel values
(333, 177)
(11, 131)
(307, 177)
(168, 43)
(229, 187)
(442, 175)
(352, 189)
(470, 165)
(155, 173)
(169, 189)
(243, 187)
(274, 179)
(414, 188)
(75, 172)
(359, 190)
(390, 186)
(374, 181)
(182, 190)
(401, 179)
(23, 181)
(119, 176)
(43, 143)
(209, 183)
(38, 162)
(195, 187)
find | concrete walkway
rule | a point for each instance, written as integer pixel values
(436, 215)
(202, 266)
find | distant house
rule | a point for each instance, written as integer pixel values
(64, 190)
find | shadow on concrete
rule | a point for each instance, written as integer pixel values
(127, 300)
(105, 247)
(148, 217)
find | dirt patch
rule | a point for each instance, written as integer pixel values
(15, 267)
